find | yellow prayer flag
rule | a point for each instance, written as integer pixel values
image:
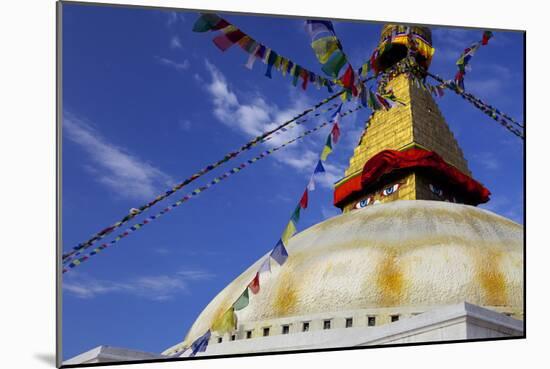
(289, 231)
(226, 322)
(324, 47)
(326, 150)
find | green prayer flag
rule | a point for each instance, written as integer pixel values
(296, 215)
(205, 22)
(335, 63)
(242, 301)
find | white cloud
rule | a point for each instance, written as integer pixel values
(487, 160)
(157, 288)
(185, 124)
(175, 42)
(256, 116)
(179, 66)
(114, 167)
(329, 212)
(174, 17)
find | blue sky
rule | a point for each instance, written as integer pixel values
(147, 103)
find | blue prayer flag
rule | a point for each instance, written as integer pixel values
(319, 168)
(279, 253)
(200, 344)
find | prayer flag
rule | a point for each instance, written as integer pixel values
(255, 284)
(304, 199)
(319, 168)
(324, 48)
(266, 266)
(334, 64)
(208, 22)
(288, 232)
(487, 35)
(200, 344)
(226, 322)
(252, 58)
(335, 132)
(242, 301)
(270, 61)
(311, 184)
(305, 78)
(226, 40)
(327, 149)
(279, 253)
(296, 214)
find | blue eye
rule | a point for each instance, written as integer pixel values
(437, 191)
(363, 203)
(390, 190)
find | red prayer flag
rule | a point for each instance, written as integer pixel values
(225, 41)
(335, 132)
(305, 77)
(347, 77)
(303, 200)
(255, 284)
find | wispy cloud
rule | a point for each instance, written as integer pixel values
(172, 18)
(253, 116)
(179, 66)
(185, 124)
(487, 160)
(175, 42)
(113, 166)
(509, 207)
(157, 287)
(327, 212)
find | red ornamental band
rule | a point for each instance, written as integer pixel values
(390, 161)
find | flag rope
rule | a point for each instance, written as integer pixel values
(501, 118)
(75, 260)
(261, 138)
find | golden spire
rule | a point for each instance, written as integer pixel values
(416, 124)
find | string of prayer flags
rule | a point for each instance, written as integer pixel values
(464, 60)
(231, 35)
(72, 263)
(499, 117)
(298, 119)
(254, 285)
(200, 344)
(242, 301)
(225, 322)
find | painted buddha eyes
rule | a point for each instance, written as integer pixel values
(390, 190)
(437, 191)
(363, 203)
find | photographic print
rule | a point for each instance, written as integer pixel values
(243, 184)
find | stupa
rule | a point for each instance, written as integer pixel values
(410, 259)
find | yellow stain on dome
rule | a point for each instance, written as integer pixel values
(491, 278)
(286, 295)
(390, 280)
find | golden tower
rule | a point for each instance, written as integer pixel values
(416, 124)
